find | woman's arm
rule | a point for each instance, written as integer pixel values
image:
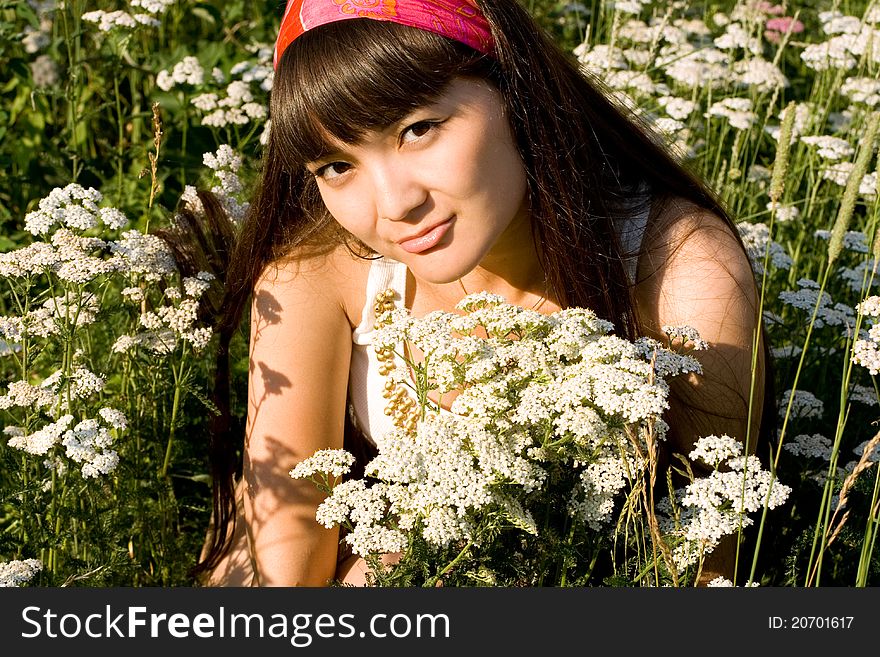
(299, 364)
(694, 272)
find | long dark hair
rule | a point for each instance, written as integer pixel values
(587, 161)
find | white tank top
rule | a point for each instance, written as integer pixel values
(366, 384)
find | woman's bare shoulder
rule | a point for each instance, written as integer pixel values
(693, 266)
(332, 277)
(682, 229)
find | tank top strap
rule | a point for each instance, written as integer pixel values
(384, 273)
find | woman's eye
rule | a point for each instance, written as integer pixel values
(418, 130)
(332, 170)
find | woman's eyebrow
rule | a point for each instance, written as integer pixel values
(332, 148)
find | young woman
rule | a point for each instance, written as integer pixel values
(433, 148)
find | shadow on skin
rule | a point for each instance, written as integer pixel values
(237, 568)
(267, 312)
(296, 499)
(267, 307)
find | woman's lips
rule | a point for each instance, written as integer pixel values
(428, 240)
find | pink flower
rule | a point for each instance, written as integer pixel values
(767, 8)
(776, 27)
(784, 23)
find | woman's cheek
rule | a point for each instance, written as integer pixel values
(351, 211)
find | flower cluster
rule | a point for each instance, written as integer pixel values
(164, 328)
(809, 299)
(234, 99)
(718, 505)
(866, 350)
(16, 573)
(758, 243)
(108, 21)
(552, 422)
(226, 185)
(83, 270)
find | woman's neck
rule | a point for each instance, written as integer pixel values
(511, 269)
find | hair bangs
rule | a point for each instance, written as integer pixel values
(347, 78)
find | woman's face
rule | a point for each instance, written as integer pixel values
(439, 191)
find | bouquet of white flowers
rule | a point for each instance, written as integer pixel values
(542, 469)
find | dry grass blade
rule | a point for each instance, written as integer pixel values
(154, 157)
(863, 464)
(836, 525)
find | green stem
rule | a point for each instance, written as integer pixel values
(120, 139)
(175, 406)
(433, 581)
(563, 578)
(786, 418)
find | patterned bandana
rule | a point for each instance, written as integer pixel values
(456, 19)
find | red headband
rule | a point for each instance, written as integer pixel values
(456, 19)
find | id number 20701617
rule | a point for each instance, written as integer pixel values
(810, 622)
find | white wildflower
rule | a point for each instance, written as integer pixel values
(684, 337)
(804, 117)
(737, 111)
(25, 395)
(110, 20)
(18, 572)
(44, 72)
(336, 462)
(600, 58)
(807, 299)
(834, 22)
(113, 418)
(196, 286)
(737, 37)
(784, 213)
(187, 71)
(677, 108)
(199, 338)
(759, 74)
(73, 206)
(145, 255)
(804, 404)
(715, 506)
(872, 457)
(153, 6)
(88, 444)
(832, 54)
(831, 148)
(853, 240)
(864, 395)
(695, 71)
(862, 90)
(191, 201)
(756, 238)
(41, 441)
(134, 295)
(206, 102)
(714, 450)
(811, 446)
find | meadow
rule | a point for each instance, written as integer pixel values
(114, 116)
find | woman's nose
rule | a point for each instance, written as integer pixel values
(398, 191)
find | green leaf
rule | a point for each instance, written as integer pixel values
(199, 394)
